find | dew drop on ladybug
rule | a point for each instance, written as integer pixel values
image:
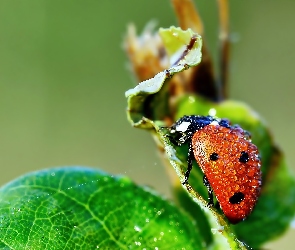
(232, 166)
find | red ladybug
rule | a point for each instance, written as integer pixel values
(228, 159)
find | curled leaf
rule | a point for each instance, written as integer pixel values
(186, 53)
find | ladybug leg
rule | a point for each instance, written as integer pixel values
(217, 205)
(172, 140)
(172, 137)
(210, 191)
(190, 156)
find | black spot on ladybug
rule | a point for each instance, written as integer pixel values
(214, 157)
(237, 198)
(244, 157)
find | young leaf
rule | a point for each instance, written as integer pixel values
(81, 208)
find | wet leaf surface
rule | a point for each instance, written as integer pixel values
(81, 208)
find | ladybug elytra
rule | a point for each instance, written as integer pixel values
(228, 159)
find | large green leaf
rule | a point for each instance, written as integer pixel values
(81, 208)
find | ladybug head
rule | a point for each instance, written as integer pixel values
(184, 128)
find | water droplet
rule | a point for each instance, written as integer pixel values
(52, 174)
(212, 112)
(137, 229)
(191, 99)
(217, 230)
(137, 243)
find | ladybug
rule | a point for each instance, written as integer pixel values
(228, 159)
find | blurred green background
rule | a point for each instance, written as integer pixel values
(63, 74)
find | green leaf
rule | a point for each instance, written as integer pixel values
(81, 208)
(183, 46)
